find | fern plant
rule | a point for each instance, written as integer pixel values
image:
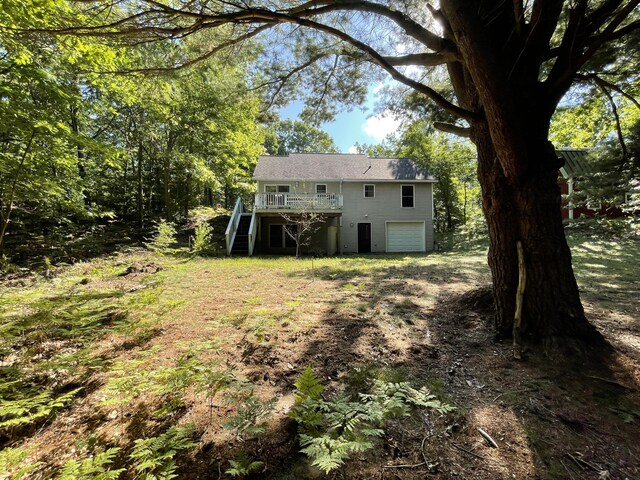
(332, 430)
(29, 409)
(97, 467)
(251, 413)
(12, 463)
(242, 465)
(154, 458)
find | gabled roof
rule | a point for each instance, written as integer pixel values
(575, 161)
(332, 166)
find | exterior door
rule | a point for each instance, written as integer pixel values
(364, 238)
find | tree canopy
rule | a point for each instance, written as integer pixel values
(81, 144)
(508, 65)
(295, 136)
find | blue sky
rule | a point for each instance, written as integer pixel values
(359, 125)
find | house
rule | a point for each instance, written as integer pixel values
(364, 205)
(575, 168)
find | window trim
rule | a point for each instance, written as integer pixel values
(413, 196)
(326, 190)
(364, 190)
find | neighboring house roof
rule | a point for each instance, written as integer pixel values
(575, 161)
(331, 166)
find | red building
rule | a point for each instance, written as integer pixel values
(574, 169)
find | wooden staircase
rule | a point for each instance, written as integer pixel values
(241, 243)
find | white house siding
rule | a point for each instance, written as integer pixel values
(384, 207)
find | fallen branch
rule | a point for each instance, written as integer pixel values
(405, 466)
(583, 464)
(611, 382)
(429, 465)
(488, 438)
(462, 449)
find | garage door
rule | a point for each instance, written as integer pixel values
(405, 237)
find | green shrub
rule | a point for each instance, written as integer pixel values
(164, 238)
(201, 241)
(11, 460)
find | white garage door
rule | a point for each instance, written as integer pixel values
(405, 237)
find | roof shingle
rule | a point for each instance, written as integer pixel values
(331, 166)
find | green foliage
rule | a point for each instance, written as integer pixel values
(132, 379)
(164, 238)
(308, 386)
(12, 458)
(96, 467)
(295, 136)
(330, 431)
(6, 266)
(82, 144)
(30, 407)
(154, 458)
(201, 241)
(242, 465)
(251, 411)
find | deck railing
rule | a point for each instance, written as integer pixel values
(253, 232)
(230, 233)
(298, 201)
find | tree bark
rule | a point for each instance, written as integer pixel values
(527, 208)
(140, 193)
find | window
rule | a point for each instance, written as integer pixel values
(369, 191)
(321, 188)
(407, 193)
(276, 188)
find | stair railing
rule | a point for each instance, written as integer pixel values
(253, 230)
(232, 228)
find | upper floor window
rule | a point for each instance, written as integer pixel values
(369, 191)
(276, 188)
(408, 194)
(321, 188)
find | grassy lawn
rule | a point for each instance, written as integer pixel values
(140, 365)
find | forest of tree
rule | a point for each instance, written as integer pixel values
(150, 108)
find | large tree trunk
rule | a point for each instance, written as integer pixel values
(528, 209)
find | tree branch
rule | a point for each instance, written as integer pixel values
(614, 109)
(601, 81)
(453, 129)
(421, 59)
(410, 26)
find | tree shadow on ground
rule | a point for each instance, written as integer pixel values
(562, 415)
(550, 419)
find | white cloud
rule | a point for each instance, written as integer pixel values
(379, 126)
(352, 149)
(377, 88)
